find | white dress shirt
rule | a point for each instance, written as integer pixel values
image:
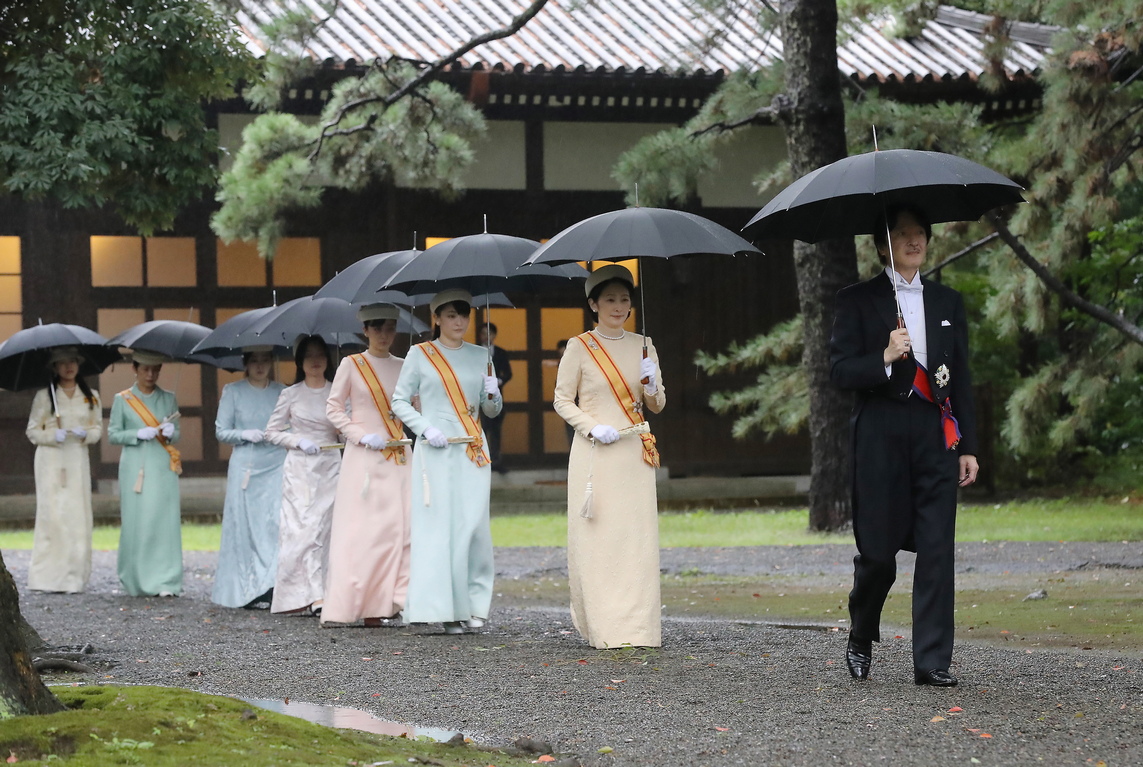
(911, 298)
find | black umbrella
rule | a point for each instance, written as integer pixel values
(481, 263)
(172, 338)
(328, 317)
(847, 198)
(361, 281)
(232, 335)
(637, 233)
(24, 357)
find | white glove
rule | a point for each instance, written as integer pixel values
(307, 446)
(491, 386)
(605, 434)
(147, 433)
(373, 441)
(253, 436)
(61, 435)
(647, 370)
(77, 431)
(435, 437)
(167, 430)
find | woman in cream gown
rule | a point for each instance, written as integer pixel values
(451, 571)
(613, 526)
(309, 476)
(62, 432)
(368, 576)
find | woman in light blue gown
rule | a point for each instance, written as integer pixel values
(450, 568)
(248, 556)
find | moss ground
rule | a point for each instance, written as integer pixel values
(164, 727)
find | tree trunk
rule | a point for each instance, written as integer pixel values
(21, 690)
(814, 120)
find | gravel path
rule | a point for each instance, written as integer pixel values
(718, 693)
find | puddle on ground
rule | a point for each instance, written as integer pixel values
(349, 719)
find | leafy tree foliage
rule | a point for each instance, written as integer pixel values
(1059, 347)
(396, 122)
(103, 102)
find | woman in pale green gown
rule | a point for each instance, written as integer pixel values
(150, 536)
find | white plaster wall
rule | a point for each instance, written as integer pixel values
(745, 156)
(499, 157)
(580, 156)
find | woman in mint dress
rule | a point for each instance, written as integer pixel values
(150, 536)
(450, 570)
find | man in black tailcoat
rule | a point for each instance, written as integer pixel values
(914, 442)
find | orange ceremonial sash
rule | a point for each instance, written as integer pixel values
(381, 400)
(467, 415)
(148, 418)
(632, 409)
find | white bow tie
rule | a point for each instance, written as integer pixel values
(906, 287)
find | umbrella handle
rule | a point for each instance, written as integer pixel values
(491, 372)
(645, 381)
(901, 325)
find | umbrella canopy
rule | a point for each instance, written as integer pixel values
(638, 232)
(846, 198)
(232, 335)
(361, 281)
(24, 357)
(175, 339)
(321, 316)
(481, 263)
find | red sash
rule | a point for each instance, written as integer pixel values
(949, 427)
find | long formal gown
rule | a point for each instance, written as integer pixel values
(450, 569)
(613, 556)
(61, 544)
(150, 533)
(248, 555)
(369, 544)
(308, 483)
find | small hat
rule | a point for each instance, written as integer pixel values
(448, 296)
(144, 357)
(257, 348)
(378, 312)
(64, 354)
(605, 273)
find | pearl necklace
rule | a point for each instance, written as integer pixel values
(611, 338)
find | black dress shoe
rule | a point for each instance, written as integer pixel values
(936, 677)
(859, 657)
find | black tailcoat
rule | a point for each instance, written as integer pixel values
(904, 479)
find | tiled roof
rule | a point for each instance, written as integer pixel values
(654, 35)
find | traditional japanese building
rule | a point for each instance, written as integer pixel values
(564, 98)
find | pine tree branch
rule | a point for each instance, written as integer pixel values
(1068, 296)
(431, 70)
(962, 253)
(763, 115)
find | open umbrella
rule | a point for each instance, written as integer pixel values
(232, 335)
(641, 233)
(175, 339)
(24, 357)
(321, 316)
(481, 263)
(847, 197)
(361, 281)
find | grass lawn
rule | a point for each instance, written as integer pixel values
(1037, 520)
